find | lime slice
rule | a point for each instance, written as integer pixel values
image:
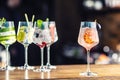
(8, 39)
(21, 34)
(40, 24)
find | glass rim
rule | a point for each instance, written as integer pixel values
(88, 21)
(9, 21)
(25, 21)
(46, 21)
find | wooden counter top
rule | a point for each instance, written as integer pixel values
(105, 72)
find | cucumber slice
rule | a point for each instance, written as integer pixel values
(7, 38)
(4, 29)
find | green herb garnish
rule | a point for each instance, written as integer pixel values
(40, 24)
(2, 21)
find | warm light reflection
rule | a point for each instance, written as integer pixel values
(26, 74)
(7, 75)
(48, 75)
(112, 3)
(3, 58)
(42, 75)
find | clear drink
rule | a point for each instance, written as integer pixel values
(25, 37)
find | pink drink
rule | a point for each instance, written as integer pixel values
(88, 37)
(52, 32)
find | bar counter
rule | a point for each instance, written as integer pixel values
(64, 72)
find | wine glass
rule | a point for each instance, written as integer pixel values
(7, 37)
(88, 38)
(38, 39)
(53, 38)
(24, 36)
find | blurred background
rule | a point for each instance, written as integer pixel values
(67, 14)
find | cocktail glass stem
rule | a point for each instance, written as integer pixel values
(42, 68)
(88, 72)
(7, 58)
(26, 66)
(42, 60)
(7, 66)
(26, 57)
(48, 56)
(88, 61)
(48, 65)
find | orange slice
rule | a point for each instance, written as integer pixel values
(87, 36)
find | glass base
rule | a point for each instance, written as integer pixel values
(7, 68)
(41, 69)
(88, 74)
(26, 68)
(49, 66)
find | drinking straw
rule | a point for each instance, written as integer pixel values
(95, 20)
(47, 20)
(33, 17)
(26, 17)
